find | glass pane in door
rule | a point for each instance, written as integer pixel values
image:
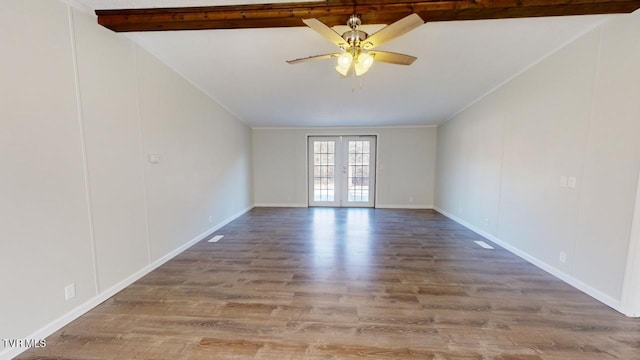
(359, 170)
(324, 171)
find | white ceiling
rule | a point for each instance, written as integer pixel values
(458, 63)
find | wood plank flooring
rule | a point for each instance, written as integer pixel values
(347, 284)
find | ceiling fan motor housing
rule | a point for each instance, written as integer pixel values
(354, 37)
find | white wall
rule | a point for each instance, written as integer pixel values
(81, 109)
(43, 206)
(108, 90)
(406, 165)
(574, 114)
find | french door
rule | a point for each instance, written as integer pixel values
(342, 171)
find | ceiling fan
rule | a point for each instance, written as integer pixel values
(356, 46)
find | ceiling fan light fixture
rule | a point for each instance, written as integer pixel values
(344, 60)
(365, 60)
(360, 69)
(342, 70)
(363, 63)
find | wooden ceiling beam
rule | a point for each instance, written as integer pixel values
(335, 12)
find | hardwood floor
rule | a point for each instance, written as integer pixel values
(344, 284)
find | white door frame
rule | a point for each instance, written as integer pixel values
(310, 164)
(371, 193)
(341, 163)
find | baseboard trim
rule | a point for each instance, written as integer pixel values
(585, 288)
(57, 324)
(406, 206)
(288, 205)
(378, 206)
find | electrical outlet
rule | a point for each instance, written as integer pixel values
(210, 219)
(562, 257)
(572, 182)
(410, 199)
(486, 221)
(70, 291)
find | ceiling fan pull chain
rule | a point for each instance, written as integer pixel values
(354, 81)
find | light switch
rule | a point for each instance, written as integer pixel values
(70, 291)
(572, 182)
(563, 181)
(154, 158)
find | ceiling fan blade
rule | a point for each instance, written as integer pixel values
(394, 30)
(326, 32)
(314, 57)
(392, 58)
